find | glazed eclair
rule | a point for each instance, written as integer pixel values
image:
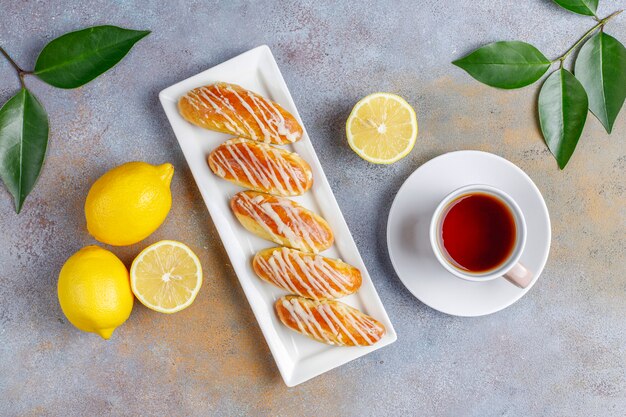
(282, 221)
(229, 108)
(329, 322)
(261, 167)
(309, 275)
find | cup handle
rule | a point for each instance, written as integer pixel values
(519, 276)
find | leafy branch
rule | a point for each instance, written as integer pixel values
(20, 71)
(69, 61)
(598, 85)
(601, 23)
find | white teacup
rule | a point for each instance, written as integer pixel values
(510, 268)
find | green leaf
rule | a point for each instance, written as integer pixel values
(78, 57)
(507, 65)
(563, 108)
(23, 143)
(585, 7)
(601, 69)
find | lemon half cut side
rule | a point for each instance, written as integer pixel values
(166, 276)
(382, 128)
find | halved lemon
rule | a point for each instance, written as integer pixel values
(166, 276)
(382, 128)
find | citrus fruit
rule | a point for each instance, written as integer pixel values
(382, 128)
(94, 291)
(166, 276)
(129, 202)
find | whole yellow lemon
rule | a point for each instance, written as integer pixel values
(129, 202)
(94, 291)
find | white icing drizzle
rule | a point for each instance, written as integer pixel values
(271, 171)
(202, 96)
(298, 231)
(266, 115)
(315, 279)
(276, 119)
(334, 316)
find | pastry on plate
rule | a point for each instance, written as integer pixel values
(261, 167)
(329, 322)
(306, 274)
(282, 221)
(229, 108)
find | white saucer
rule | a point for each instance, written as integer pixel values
(408, 242)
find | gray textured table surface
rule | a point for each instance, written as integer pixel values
(560, 351)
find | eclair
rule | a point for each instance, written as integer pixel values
(261, 167)
(229, 108)
(282, 221)
(329, 322)
(309, 275)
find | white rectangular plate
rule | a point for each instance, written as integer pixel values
(298, 357)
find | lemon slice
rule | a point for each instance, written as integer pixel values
(166, 276)
(382, 128)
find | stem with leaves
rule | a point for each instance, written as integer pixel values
(18, 69)
(69, 61)
(565, 99)
(600, 24)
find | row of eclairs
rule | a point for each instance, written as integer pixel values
(271, 174)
